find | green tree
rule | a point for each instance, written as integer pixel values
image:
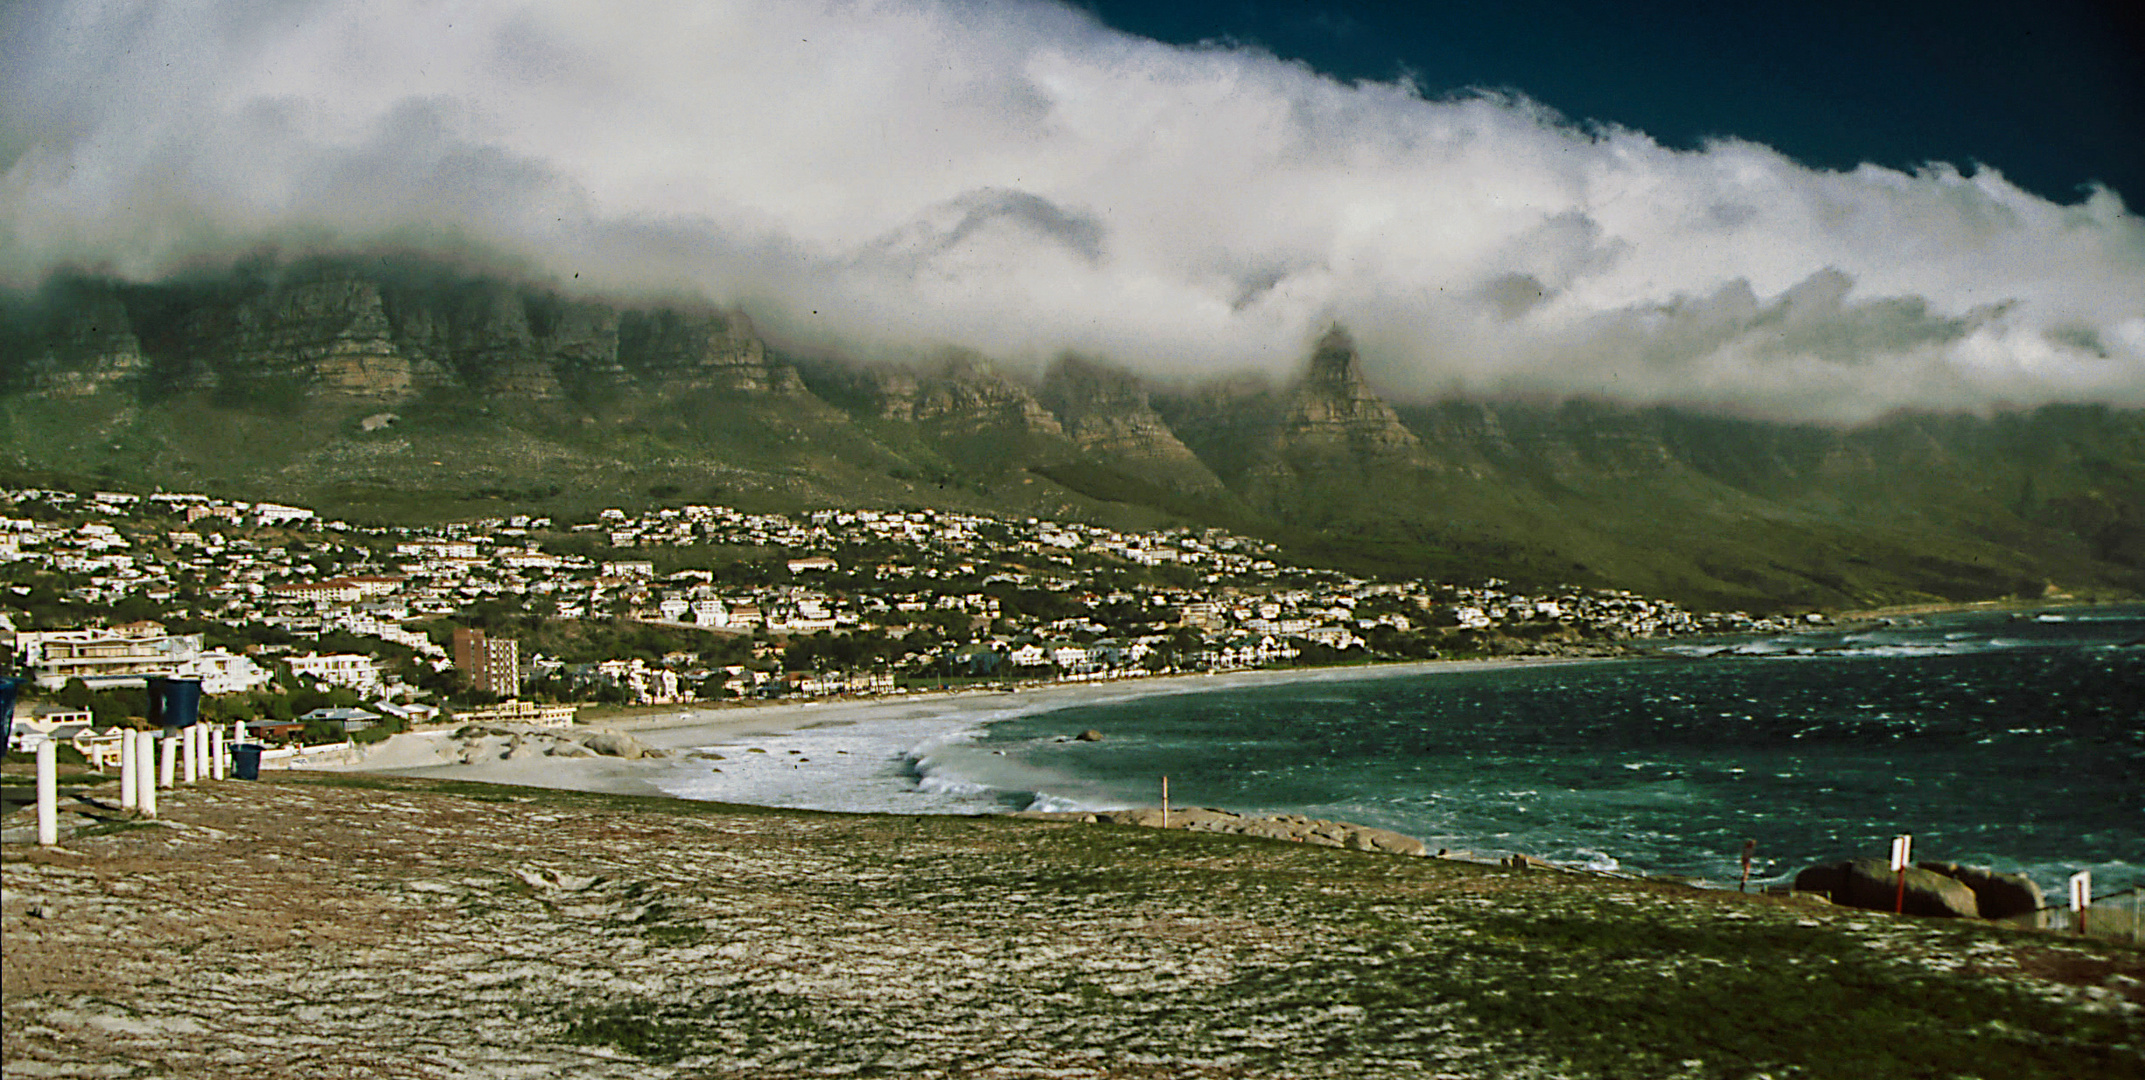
(76, 694)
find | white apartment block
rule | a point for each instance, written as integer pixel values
(354, 670)
(104, 658)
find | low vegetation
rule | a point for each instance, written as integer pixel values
(535, 928)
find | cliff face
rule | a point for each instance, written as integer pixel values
(1106, 413)
(338, 332)
(671, 351)
(966, 392)
(87, 345)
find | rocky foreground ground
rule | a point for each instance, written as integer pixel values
(353, 926)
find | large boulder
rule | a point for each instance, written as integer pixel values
(1828, 879)
(615, 744)
(1871, 884)
(1999, 895)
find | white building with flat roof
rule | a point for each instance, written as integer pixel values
(104, 658)
(354, 670)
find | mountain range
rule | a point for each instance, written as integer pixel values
(403, 389)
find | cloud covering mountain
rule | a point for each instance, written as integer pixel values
(889, 179)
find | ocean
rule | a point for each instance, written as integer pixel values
(2016, 741)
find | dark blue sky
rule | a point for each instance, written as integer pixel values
(2052, 94)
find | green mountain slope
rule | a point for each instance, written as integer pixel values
(402, 390)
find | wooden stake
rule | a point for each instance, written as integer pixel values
(1165, 802)
(1750, 847)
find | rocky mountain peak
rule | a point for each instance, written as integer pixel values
(1334, 410)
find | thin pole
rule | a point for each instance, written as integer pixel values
(48, 793)
(1902, 854)
(1750, 847)
(1165, 802)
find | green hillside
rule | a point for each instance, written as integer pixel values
(402, 391)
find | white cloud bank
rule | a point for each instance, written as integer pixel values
(891, 178)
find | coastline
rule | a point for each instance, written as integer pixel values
(676, 732)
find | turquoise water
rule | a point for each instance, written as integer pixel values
(2012, 741)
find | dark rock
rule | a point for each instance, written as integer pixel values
(1828, 879)
(1999, 895)
(1870, 884)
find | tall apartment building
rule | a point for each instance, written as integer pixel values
(493, 664)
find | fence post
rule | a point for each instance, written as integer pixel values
(189, 756)
(129, 784)
(167, 761)
(2082, 896)
(215, 735)
(145, 771)
(1902, 851)
(48, 792)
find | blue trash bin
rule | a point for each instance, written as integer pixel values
(246, 760)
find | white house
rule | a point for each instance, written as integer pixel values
(354, 670)
(224, 672)
(711, 613)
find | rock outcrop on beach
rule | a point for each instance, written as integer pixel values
(1872, 885)
(1294, 827)
(479, 743)
(1997, 895)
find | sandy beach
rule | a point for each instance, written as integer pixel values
(436, 753)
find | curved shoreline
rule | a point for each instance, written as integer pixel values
(416, 754)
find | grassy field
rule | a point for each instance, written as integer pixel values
(668, 938)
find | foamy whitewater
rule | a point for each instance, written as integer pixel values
(2015, 741)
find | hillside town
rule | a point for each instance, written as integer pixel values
(272, 607)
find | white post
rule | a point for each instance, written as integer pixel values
(167, 761)
(144, 773)
(238, 731)
(129, 795)
(48, 793)
(189, 755)
(2081, 896)
(145, 770)
(215, 753)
